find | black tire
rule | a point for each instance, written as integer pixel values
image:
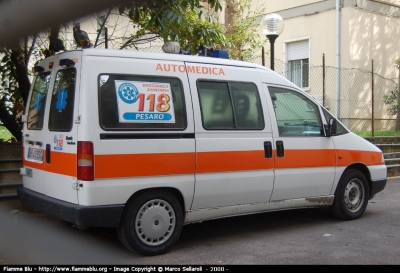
(351, 196)
(151, 223)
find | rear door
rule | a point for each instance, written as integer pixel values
(50, 132)
(60, 141)
(234, 162)
(35, 129)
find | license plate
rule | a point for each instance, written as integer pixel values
(35, 154)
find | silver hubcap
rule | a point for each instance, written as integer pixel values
(354, 195)
(155, 222)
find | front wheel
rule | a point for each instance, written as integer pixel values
(151, 223)
(351, 196)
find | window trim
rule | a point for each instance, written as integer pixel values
(184, 111)
(232, 104)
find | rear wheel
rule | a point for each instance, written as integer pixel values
(151, 223)
(351, 196)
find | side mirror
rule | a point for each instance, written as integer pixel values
(332, 125)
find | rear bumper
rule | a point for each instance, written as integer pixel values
(82, 216)
(377, 186)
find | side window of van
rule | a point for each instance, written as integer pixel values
(133, 102)
(62, 101)
(340, 129)
(38, 102)
(295, 114)
(230, 105)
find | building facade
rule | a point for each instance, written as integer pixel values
(350, 33)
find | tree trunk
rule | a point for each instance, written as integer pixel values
(21, 73)
(230, 11)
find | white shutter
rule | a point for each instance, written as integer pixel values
(298, 50)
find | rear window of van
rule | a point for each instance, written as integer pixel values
(62, 101)
(37, 103)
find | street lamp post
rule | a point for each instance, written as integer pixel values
(272, 26)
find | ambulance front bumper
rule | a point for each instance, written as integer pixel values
(81, 216)
(377, 186)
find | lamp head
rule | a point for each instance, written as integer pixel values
(272, 24)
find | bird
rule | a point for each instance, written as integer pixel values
(81, 37)
(56, 45)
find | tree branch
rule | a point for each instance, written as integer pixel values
(30, 50)
(102, 27)
(137, 40)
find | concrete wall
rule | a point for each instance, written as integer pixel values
(279, 5)
(368, 33)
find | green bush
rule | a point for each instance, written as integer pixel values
(378, 133)
(5, 135)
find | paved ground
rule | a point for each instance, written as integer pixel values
(306, 236)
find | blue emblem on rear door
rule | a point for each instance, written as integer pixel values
(62, 99)
(38, 102)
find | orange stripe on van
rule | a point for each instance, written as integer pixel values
(347, 157)
(34, 165)
(327, 158)
(127, 165)
(130, 165)
(107, 166)
(61, 163)
(307, 159)
(232, 161)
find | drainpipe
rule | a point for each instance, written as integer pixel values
(337, 57)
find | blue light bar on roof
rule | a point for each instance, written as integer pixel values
(66, 62)
(38, 69)
(222, 54)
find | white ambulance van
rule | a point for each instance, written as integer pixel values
(148, 142)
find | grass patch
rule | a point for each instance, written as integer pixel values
(378, 133)
(5, 135)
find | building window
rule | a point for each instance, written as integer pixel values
(298, 63)
(100, 22)
(299, 72)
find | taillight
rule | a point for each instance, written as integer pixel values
(85, 161)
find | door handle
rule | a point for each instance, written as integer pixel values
(48, 149)
(280, 150)
(268, 149)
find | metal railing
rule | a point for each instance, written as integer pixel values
(390, 154)
(9, 184)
